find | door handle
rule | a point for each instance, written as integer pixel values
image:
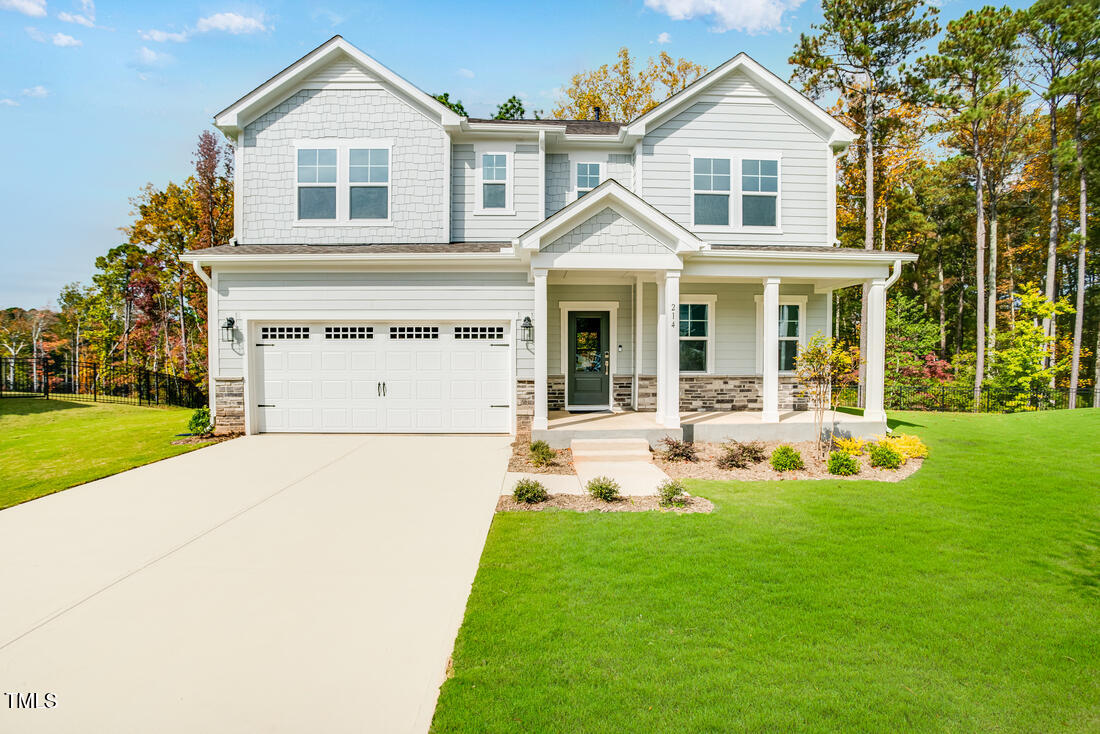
(383, 389)
(607, 363)
(379, 387)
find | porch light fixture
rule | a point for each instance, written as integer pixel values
(527, 330)
(227, 329)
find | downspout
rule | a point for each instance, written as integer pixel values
(201, 273)
(894, 275)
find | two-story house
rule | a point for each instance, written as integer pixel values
(399, 268)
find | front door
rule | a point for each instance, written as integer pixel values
(589, 367)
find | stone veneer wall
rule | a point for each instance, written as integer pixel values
(697, 392)
(228, 405)
(525, 406)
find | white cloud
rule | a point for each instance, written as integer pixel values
(663, 38)
(8, 102)
(232, 23)
(78, 19)
(466, 73)
(64, 40)
(749, 16)
(36, 91)
(33, 8)
(163, 36)
(148, 57)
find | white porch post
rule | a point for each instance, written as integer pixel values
(771, 350)
(671, 375)
(541, 416)
(874, 405)
(662, 328)
(638, 337)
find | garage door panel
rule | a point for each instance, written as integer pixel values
(300, 419)
(495, 391)
(299, 362)
(299, 389)
(364, 362)
(463, 360)
(334, 361)
(364, 389)
(335, 419)
(274, 389)
(334, 390)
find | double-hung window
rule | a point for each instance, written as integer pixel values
(317, 183)
(792, 331)
(697, 333)
(588, 177)
(494, 194)
(735, 190)
(368, 183)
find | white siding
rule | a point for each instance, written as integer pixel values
(417, 169)
(737, 115)
(313, 294)
(466, 226)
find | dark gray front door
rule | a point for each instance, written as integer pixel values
(589, 365)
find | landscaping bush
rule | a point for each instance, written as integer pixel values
(677, 450)
(737, 455)
(843, 464)
(851, 446)
(529, 491)
(200, 423)
(671, 493)
(885, 456)
(785, 458)
(909, 446)
(540, 454)
(603, 488)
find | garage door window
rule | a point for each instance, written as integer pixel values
(349, 332)
(414, 332)
(479, 332)
(284, 332)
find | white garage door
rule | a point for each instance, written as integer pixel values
(385, 378)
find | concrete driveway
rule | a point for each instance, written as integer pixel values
(267, 584)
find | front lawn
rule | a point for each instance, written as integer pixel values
(966, 598)
(49, 445)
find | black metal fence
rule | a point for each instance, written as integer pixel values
(961, 398)
(89, 382)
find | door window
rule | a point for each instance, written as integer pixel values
(587, 355)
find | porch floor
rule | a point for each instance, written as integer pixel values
(717, 425)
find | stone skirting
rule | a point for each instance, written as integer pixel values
(228, 405)
(697, 392)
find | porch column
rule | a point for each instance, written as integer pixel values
(638, 337)
(671, 375)
(662, 328)
(771, 350)
(540, 421)
(874, 406)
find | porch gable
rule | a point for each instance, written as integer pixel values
(608, 232)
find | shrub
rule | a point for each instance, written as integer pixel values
(677, 450)
(540, 454)
(737, 455)
(909, 446)
(671, 493)
(529, 491)
(843, 464)
(200, 423)
(785, 458)
(851, 446)
(885, 456)
(603, 488)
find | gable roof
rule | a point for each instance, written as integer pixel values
(234, 117)
(833, 130)
(611, 194)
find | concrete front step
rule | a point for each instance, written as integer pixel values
(610, 449)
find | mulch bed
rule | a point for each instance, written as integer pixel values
(188, 440)
(708, 453)
(563, 464)
(584, 503)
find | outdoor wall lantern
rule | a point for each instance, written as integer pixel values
(227, 329)
(526, 330)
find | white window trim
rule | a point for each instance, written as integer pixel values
(343, 184)
(574, 161)
(509, 183)
(799, 301)
(612, 308)
(735, 156)
(711, 302)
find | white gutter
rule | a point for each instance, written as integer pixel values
(197, 267)
(833, 255)
(502, 256)
(896, 274)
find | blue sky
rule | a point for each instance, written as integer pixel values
(97, 99)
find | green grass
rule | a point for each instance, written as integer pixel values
(966, 598)
(50, 445)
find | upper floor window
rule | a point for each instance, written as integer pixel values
(369, 178)
(494, 181)
(316, 183)
(737, 190)
(588, 177)
(343, 182)
(759, 192)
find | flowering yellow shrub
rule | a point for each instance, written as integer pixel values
(909, 446)
(851, 446)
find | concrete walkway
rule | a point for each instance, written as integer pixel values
(271, 583)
